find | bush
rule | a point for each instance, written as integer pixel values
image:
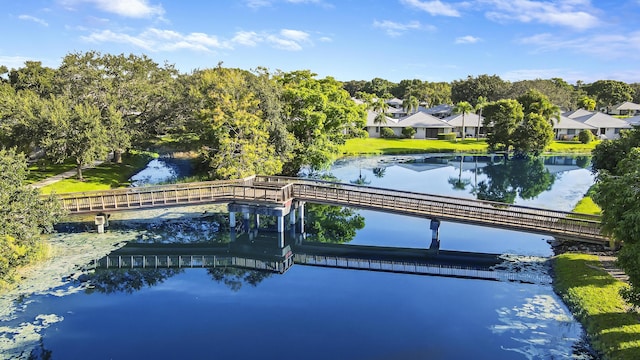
(387, 133)
(447, 136)
(585, 136)
(408, 132)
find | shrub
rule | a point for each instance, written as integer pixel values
(387, 133)
(585, 136)
(408, 132)
(447, 136)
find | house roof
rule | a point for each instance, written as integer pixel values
(569, 123)
(577, 113)
(627, 105)
(601, 120)
(633, 121)
(394, 101)
(440, 109)
(470, 119)
(371, 116)
(422, 119)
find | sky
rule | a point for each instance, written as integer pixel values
(430, 40)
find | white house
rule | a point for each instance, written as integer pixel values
(625, 108)
(605, 126)
(472, 122)
(567, 128)
(427, 126)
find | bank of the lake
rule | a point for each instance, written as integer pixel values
(379, 146)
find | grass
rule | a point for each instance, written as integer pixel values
(587, 206)
(37, 173)
(106, 176)
(594, 297)
(379, 146)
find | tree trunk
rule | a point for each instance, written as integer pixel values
(79, 172)
(117, 156)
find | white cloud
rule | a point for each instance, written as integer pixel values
(467, 39)
(247, 38)
(13, 62)
(607, 46)
(295, 35)
(568, 13)
(34, 19)
(433, 7)
(255, 4)
(325, 39)
(160, 40)
(396, 29)
(126, 8)
(283, 44)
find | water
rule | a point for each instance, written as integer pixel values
(317, 312)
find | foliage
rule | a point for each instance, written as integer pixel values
(594, 298)
(586, 205)
(234, 137)
(378, 86)
(410, 104)
(610, 92)
(128, 281)
(619, 197)
(463, 107)
(33, 76)
(587, 103)
(491, 87)
(532, 136)
(387, 133)
(408, 132)
(556, 90)
(535, 102)
(608, 153)
(24, 216)
(585, 136)
(332, 224)
(501, 121)
(321, 116)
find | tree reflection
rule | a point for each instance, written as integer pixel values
(332, 224)
(526, 178)
(234, 278)
(379, 172)
(127, 280)
(459, 183)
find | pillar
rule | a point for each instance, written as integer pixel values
(435, 234)
(301, 217)
(292, 217)
(246, 225)
(100, 221)
(232, 219)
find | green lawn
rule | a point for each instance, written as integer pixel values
(594, 297)
(378, 146)
(106, 176)
(37, 173)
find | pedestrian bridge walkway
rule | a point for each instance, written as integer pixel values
(283, 191)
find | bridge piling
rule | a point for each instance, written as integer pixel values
(435, 234)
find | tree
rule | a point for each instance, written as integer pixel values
(532, 136)
(556, 90)
(233, 135)
(610, 92)
(617, 196)
(332, 224)
(76, 132)
(379, 87)
(410, 104)
(501, 121)
(480, 104)
(321, 116)
(380, 107)
(587, 103)
(24, 215)
(408, 132)
(533, 101)
(492, 87)
(434, 93)
(608, 154)
(585, 136)
(33, 76)
(463, 108)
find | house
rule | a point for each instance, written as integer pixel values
(427, 126)
(625, 108)
(604, 126)
(568, 128)
(441, 111)
(472, 123)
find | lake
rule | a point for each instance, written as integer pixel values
(316, 312)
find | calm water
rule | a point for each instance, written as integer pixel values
(319, 313)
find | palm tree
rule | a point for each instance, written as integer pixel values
(379, 172)
(480, 104)
(380, 106)
(463, 107)
(410, 104)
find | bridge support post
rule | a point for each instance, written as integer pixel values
(246, 225)
(101, 221)
(232, 219)
(435, 234)
(292, 218)
(301, 216)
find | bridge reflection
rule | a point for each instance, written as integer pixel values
(265, 252)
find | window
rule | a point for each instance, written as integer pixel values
(571, 131)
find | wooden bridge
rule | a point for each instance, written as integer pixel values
(281, 191)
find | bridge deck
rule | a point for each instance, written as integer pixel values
(280, 190)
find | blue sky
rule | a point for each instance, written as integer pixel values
(433, 40)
